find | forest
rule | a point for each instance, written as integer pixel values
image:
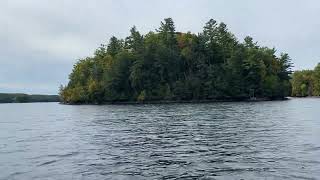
(306, 82)
(166, 65)
(25, 98)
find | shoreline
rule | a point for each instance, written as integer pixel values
(180, 101)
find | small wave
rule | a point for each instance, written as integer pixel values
(47, 163)
(64, 155)
(312, 149)
(12, 175)
(170, 162)
(303, 177)
(56, 155)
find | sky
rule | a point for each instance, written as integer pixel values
(40, 40)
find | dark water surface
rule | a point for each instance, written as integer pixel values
(261, 140)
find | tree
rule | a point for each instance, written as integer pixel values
(167, 33)
(115, 46)
(316, 80)
(116, 82)
(134, 42)
(302, 83)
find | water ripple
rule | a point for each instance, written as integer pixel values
(276, 140)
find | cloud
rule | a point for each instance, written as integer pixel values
(25, 87)
(33, 33)
(40, 40)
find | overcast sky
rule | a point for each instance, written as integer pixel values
(40, 40)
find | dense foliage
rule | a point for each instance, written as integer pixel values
(306, 82)
(23, 98)
(170, 65)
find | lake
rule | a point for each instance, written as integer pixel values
(232, 140)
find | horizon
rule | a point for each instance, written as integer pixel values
(42, 40)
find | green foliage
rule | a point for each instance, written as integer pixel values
(24, 98)
(316, 81)
(142, 96)
(115, 46)
(170, 65)
(306, 82)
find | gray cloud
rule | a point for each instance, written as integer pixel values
(40, 40)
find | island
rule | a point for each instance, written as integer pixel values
(170, 66)
(25, 98)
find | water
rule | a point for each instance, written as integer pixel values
(262, 140)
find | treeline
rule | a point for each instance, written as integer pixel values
(24, 98)
(306, 82)
(176, 66)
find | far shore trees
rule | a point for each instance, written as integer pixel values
(306, 82)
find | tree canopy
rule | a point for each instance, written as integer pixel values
(306, 82)
(24, 98)
(171, 65)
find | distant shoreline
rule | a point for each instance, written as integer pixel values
(304, 96)
(26, 98)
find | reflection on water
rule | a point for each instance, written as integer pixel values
(274, 140)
